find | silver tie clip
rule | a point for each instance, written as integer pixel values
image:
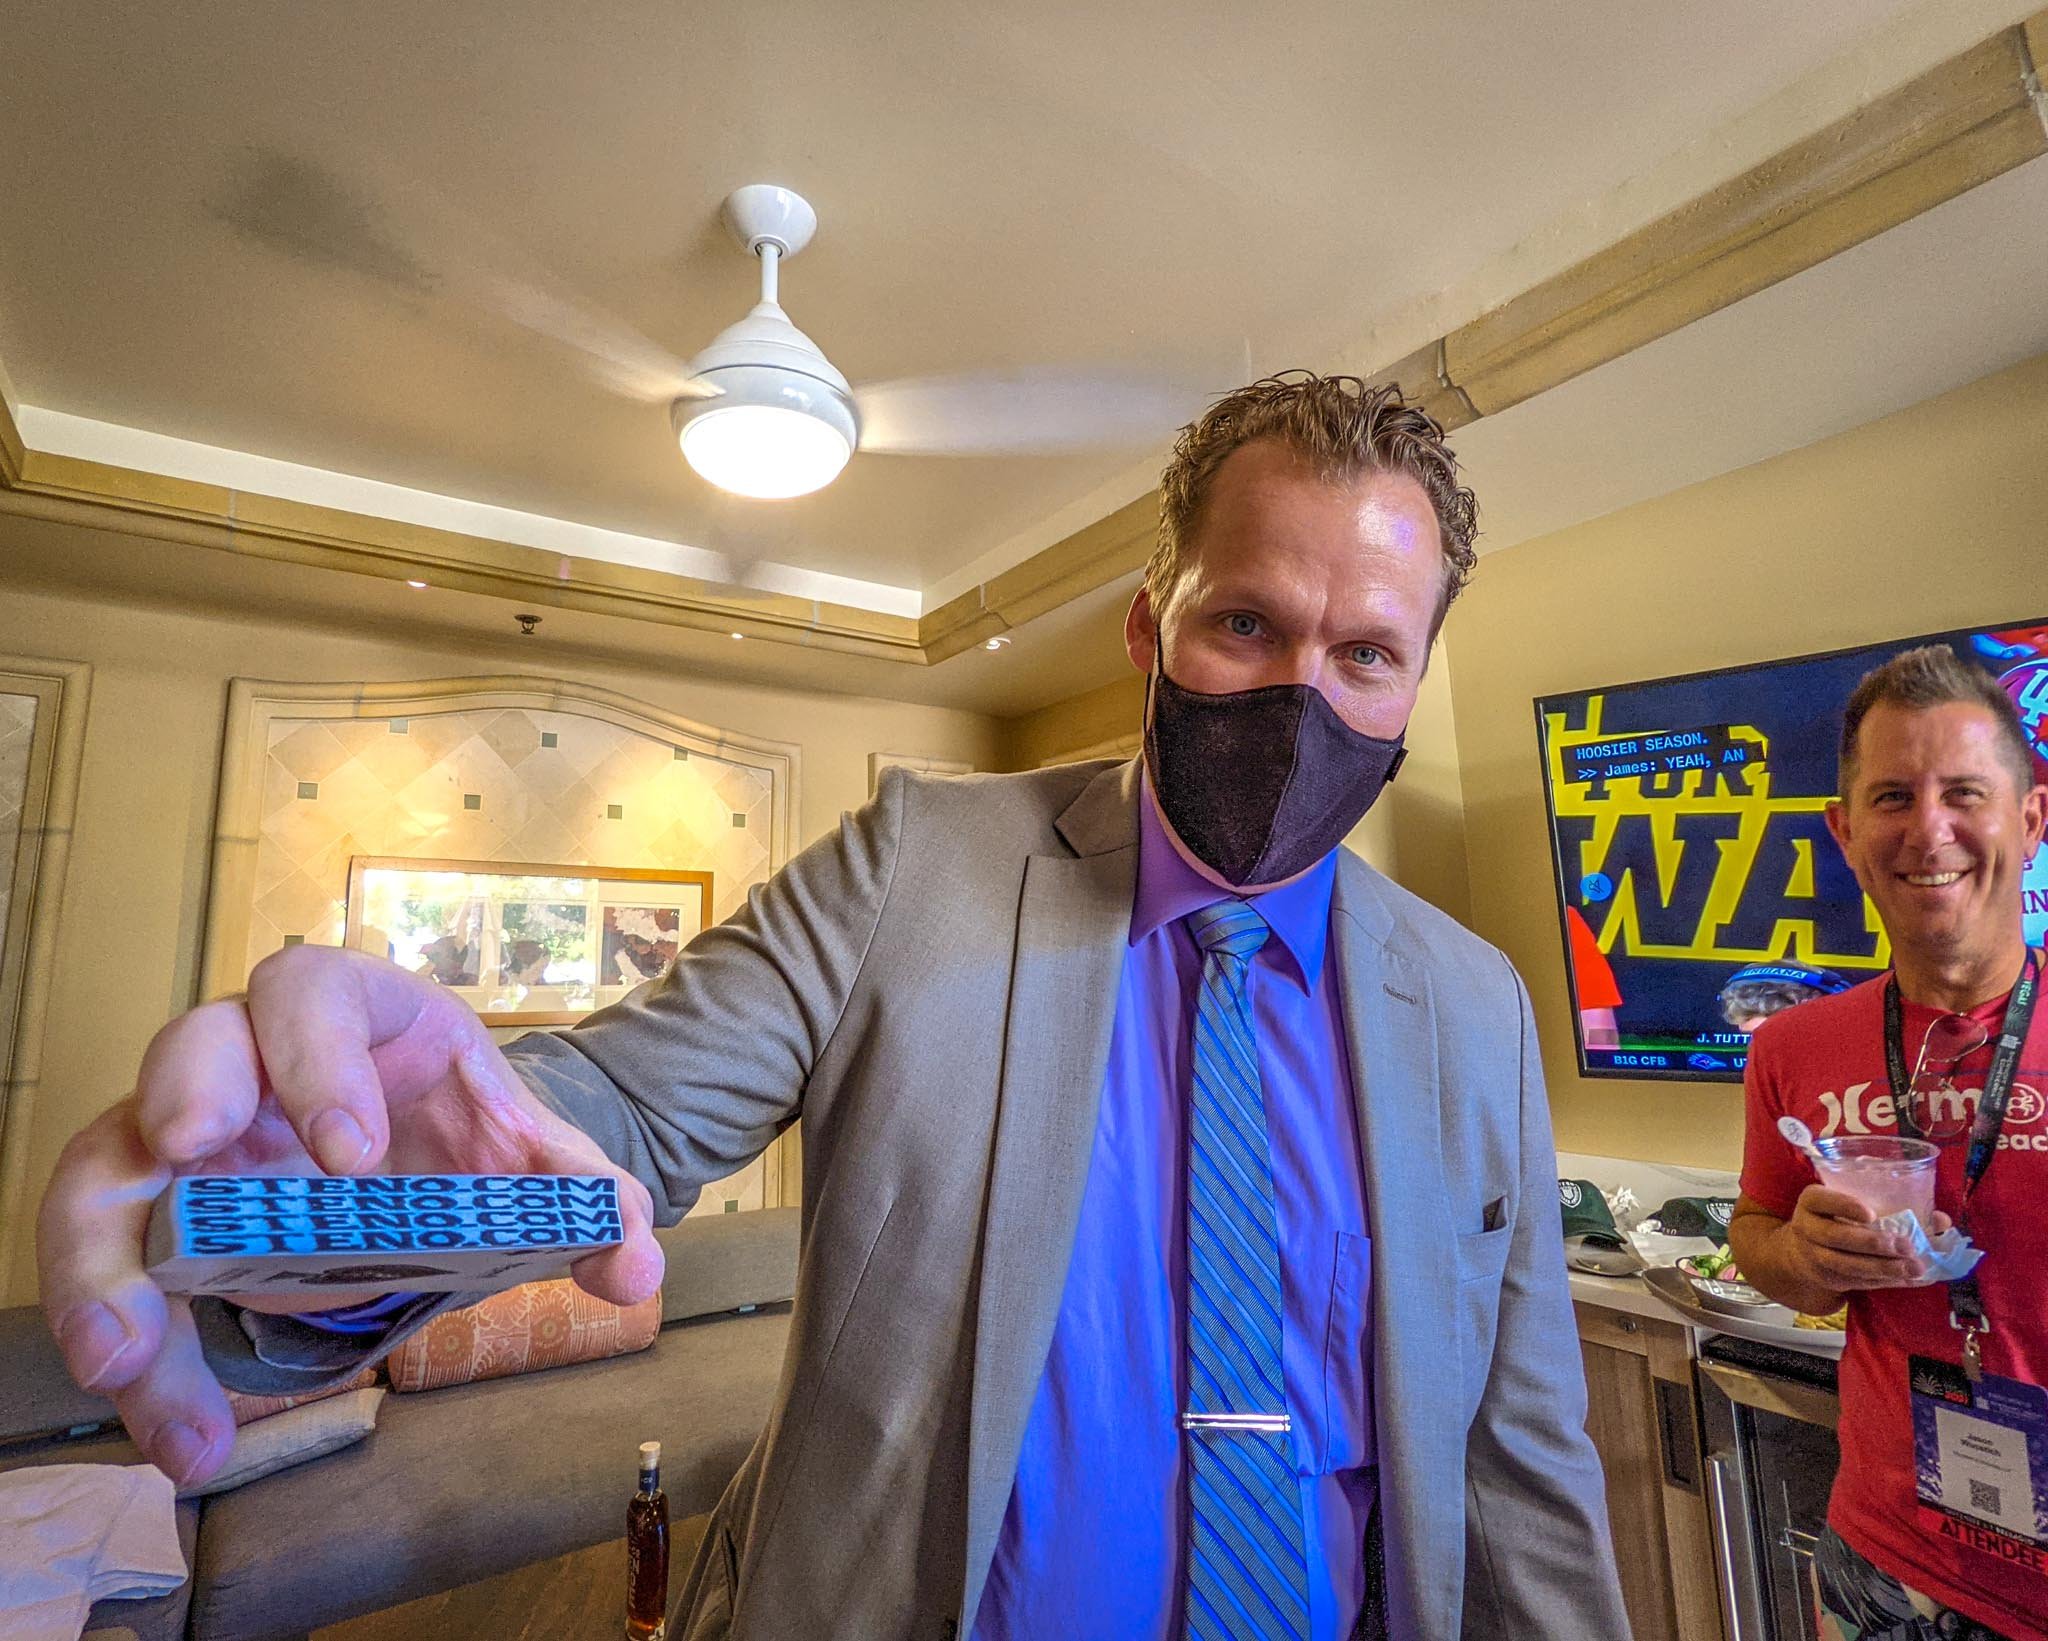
(1254, 1424)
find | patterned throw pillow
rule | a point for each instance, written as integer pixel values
(248, 1409)
(522, 1330)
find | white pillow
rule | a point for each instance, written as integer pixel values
(308, 1431)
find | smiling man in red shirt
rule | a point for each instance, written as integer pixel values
(1938, 1526)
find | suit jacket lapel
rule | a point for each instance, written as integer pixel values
(1073, 926)
(1390, 1031)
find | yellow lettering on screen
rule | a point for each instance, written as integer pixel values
(1740, 791)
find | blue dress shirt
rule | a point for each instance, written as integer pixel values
(1094, 1540)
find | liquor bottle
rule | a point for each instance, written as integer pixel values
(647, 1552)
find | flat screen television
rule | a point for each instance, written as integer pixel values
(1692, 856)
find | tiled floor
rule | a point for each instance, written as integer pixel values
(580, 1597)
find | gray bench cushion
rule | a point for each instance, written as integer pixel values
(719, 1262)
(459, 1484)
(37, 1397)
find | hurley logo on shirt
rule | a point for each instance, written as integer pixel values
(1856, 1110)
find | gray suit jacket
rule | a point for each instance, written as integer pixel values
(931, 990)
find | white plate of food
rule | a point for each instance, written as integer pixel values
(1718, 1284)
(1773, 1325)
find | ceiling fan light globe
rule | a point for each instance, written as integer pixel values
(768, 415)
(767, 451)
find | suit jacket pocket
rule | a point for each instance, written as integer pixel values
(1483, 1254)
(1347, 1430)
(1482, 1257)
(708, 1607)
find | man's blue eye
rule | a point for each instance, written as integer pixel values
(1365, 655)
(1244, 626)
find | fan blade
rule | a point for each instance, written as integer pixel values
(398, 232)
(616, 355)
(1046, 410)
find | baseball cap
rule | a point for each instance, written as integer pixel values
(1586, 1213)
(1695, 1216)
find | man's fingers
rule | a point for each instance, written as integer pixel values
(107, 1316)
(1844, 1272)
(1827, 1203)
(317, 1013)
(200, 1083)
(631, 1272)
(523, 1134)
(624, 1275)
(176, 1411)
(1844, 1237)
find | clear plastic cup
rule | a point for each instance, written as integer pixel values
(1884, 1172)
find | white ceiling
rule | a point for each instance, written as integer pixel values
(268, 229)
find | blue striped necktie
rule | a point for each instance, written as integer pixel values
(1247, 1571)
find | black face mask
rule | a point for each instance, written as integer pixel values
(1261, 784)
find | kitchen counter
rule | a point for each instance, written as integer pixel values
(1625, 1294)
(1653, 1185)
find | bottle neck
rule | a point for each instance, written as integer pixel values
(650, 1478)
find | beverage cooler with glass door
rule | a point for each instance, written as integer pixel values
(1769, 1419)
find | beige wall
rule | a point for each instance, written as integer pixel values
(130, 919)
(1416, 832)
(1930, 519)
(1056, 733)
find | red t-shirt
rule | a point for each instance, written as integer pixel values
(1824, 1063)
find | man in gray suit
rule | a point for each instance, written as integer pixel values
(1180, 1251)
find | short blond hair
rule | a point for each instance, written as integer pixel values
(1346, 427)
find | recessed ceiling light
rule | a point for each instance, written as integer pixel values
(418, 584)
(995, 643)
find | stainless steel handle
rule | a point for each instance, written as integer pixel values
(1800, 1544)
(1724, 1547)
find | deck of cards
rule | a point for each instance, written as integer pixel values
(425, 1233)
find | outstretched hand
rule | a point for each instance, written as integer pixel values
(336, 1062)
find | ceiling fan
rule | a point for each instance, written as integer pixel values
(764, 413)
(759, 412)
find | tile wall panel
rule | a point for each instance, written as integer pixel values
(17, 736)
(545, 784)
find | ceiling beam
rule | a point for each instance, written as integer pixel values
(12, 452)
(1091, 557)
(67, 490)
(1960, 124)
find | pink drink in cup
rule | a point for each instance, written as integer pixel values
(1884, 1172)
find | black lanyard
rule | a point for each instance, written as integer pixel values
(1966, 1305)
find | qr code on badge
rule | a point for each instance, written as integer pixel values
(1984, 1499)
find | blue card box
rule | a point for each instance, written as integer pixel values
(426, 1233)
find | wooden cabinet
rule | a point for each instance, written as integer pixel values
(1643, 1415)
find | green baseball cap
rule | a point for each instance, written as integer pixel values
(1586, 1214)
(1695, 1216)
